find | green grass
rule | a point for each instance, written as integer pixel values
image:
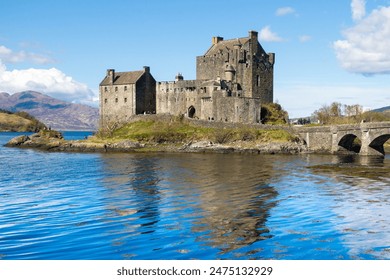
(160, 132)
(176, 131)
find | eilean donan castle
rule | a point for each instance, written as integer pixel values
(233, 78)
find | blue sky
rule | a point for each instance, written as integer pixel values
(326, 50)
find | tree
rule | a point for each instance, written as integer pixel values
(328, 113)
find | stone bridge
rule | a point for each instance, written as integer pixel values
(339, 138)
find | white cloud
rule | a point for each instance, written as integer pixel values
(304, 38)
(49, 81)
(366, 47)
(269, 36)
(9, 56)
(284, 11)
(358, 8)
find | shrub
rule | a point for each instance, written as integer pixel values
(273, 113)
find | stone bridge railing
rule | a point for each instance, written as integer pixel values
(339, 138)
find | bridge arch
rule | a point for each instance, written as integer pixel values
(377, 143)
(350, 142)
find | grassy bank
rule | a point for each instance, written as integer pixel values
(178, 131)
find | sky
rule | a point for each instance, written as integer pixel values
(326, 50)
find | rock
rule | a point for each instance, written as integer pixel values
(17, 141)
(125, 145)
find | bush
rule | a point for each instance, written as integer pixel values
(273, 113)
(222, 136)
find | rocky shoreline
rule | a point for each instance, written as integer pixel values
(54, 141)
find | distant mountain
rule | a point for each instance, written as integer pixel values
(383, 109)
(57, 114)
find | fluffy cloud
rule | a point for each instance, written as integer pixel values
(358, 8)
(366, 47)
(9, 56)
(284, 11)
(49, 81)
(269, 36)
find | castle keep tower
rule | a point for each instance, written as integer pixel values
(243, 62)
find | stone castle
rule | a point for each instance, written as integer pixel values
(233, 78)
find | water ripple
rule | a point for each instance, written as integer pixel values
(191, 206)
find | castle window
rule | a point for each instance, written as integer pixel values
(105, 100)
(116, 88)
(258, 80)
(125, 88)
(105, 89)
(116, 100)
(125, 99)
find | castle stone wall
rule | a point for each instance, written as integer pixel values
(117, 103)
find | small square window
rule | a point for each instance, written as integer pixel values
(125, 99)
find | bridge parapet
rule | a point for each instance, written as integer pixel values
(338, 138)
(375, 125)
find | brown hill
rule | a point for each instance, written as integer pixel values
(55, 113)
(20, 121)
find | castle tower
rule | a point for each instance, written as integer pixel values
(229, 73)
(242, 61)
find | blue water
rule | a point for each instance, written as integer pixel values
(191, 206)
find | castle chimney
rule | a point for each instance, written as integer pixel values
(216, 40)
(111, 75)
(253, 40)
(146, 69)
(253, 34)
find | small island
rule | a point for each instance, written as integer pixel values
(151, 133)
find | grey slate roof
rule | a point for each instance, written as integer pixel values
(226, 44)
(123, 78)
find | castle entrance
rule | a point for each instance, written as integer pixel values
(191, 112)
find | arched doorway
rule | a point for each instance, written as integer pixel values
(191, 112)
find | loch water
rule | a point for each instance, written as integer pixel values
(78, 206)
